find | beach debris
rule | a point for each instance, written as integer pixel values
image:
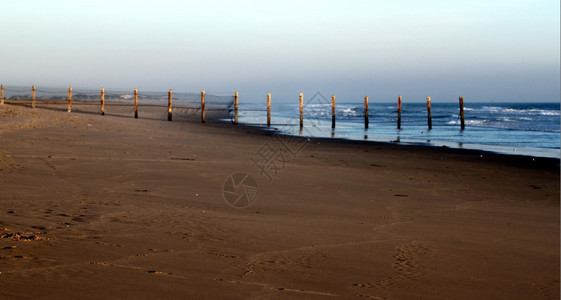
(20, 237)
(156, 272)
(108, 244)
(161, 250)
(181, 158)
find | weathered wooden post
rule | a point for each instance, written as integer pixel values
(169, 104)
(429, 113)
(301, 110)
(268, 110)
(332, 111)
(203, 113)
(69, 99)
(33, 96)
(236, 108)
(366, 121)
(399, 112)
(462, 121)
(102, 109)
(136, 103)
(2, 94)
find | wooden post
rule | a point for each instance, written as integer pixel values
(236, 108)
(136, 103)
(169, 104)
(429, 113)
(203, 113)
(69, 99)
(399, 112)
(33, 96)
(102, 109)
(462, 121)
(366, 121)
(332, 111)
(2, 94)
(301, 110)
(268, 109)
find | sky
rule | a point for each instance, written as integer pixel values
(483, 50)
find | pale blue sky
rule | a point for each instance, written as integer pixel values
(483, 50)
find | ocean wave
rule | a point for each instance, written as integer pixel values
(518, 111)
(348, 113)
(502, 124)
(532, 111)
(492, 108)
(549, 113)
(317, 105)
(324, 111)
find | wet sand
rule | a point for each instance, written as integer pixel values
(110, 206)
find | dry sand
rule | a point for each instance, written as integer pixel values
(115, 207)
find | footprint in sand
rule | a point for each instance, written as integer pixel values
(407, 263)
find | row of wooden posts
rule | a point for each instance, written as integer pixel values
(203, 111)
(102, 98)
(366, 119)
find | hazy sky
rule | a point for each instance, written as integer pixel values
(482, 50)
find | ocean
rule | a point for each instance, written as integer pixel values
(508, 128)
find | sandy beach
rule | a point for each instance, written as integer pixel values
(111, 206)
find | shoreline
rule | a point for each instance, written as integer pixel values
(414, 131)
(545, 153)
(530, 161)
(226, 118)
(134, 208)
(546, 162)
